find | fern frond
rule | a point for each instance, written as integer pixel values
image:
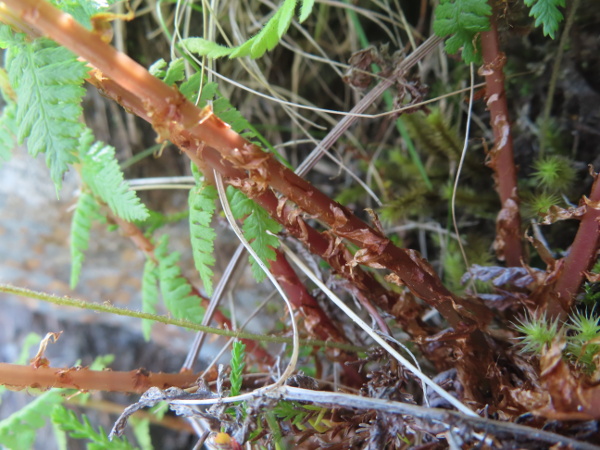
(8, 131)
(174, 73)
(101, 172)
(266, 39)
(202, 207)
(547, 14)
(20, 428)
(237, 367)
(67, 421)
(258, 229)
(48, 82)
(149, 295)
(174, 288)
(87, 209)
(462, 19)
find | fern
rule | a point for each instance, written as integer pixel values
(47, 80)
(462, 19)
(8, 128)
(101, 172)
(87, 209)
(258, 229)
(19, 429)
(547, 14)
(67, 421)
(202, 207)
(237, 367)
(266, 39)
(149, 295)
(174, 288)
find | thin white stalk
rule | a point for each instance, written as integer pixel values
(460, 166)
(451, 419)
(401, 359)
(229, 215)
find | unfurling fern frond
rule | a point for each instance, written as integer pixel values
(202, 207)
(547, 14)
(87, 210)
(149, 295)
(462, 19)
(266, 39)
(47, 80)
(174, 288)
(258, 229)
(101, 172)
(19, 430)
(68, 421)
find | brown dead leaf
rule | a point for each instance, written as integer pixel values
(571, 399)
(39, 360)
(556, 214)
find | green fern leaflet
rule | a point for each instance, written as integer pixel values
(47, 80)
(258, 229)
(68, 421)
(87, 210)
(149, 295)
(266, 39)
(547, 14)
(462, 20)
(175, 289)
(101, 172)
(202, 207)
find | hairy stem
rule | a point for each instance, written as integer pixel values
(107, 308)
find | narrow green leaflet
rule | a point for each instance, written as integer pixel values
(547, 14)
(86, 211)
(101, 172)
(237, 367)
(266, 39)
(462, 20)
(47, 80)
(149, 295)
(175, 289)
(68, 421)
(258, 228)
(201, 201)
(8, 128)
(20, 428)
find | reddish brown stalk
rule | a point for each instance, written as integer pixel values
(82, 378)
(500, 158)
(189, 128)
(145, 245)
(582, 255)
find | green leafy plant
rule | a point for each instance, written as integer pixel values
(47, 80)
(553, 173)
(174, 288)
(68, 421)
(547, 14)
(237, 367)
(86, 210)
(259, 229)
(462, 20)
(266, 39)
(202, 206)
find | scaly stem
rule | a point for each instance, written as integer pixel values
(500, 157)
(582, 255)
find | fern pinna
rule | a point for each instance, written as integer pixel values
(175, 289)
(47, 80)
